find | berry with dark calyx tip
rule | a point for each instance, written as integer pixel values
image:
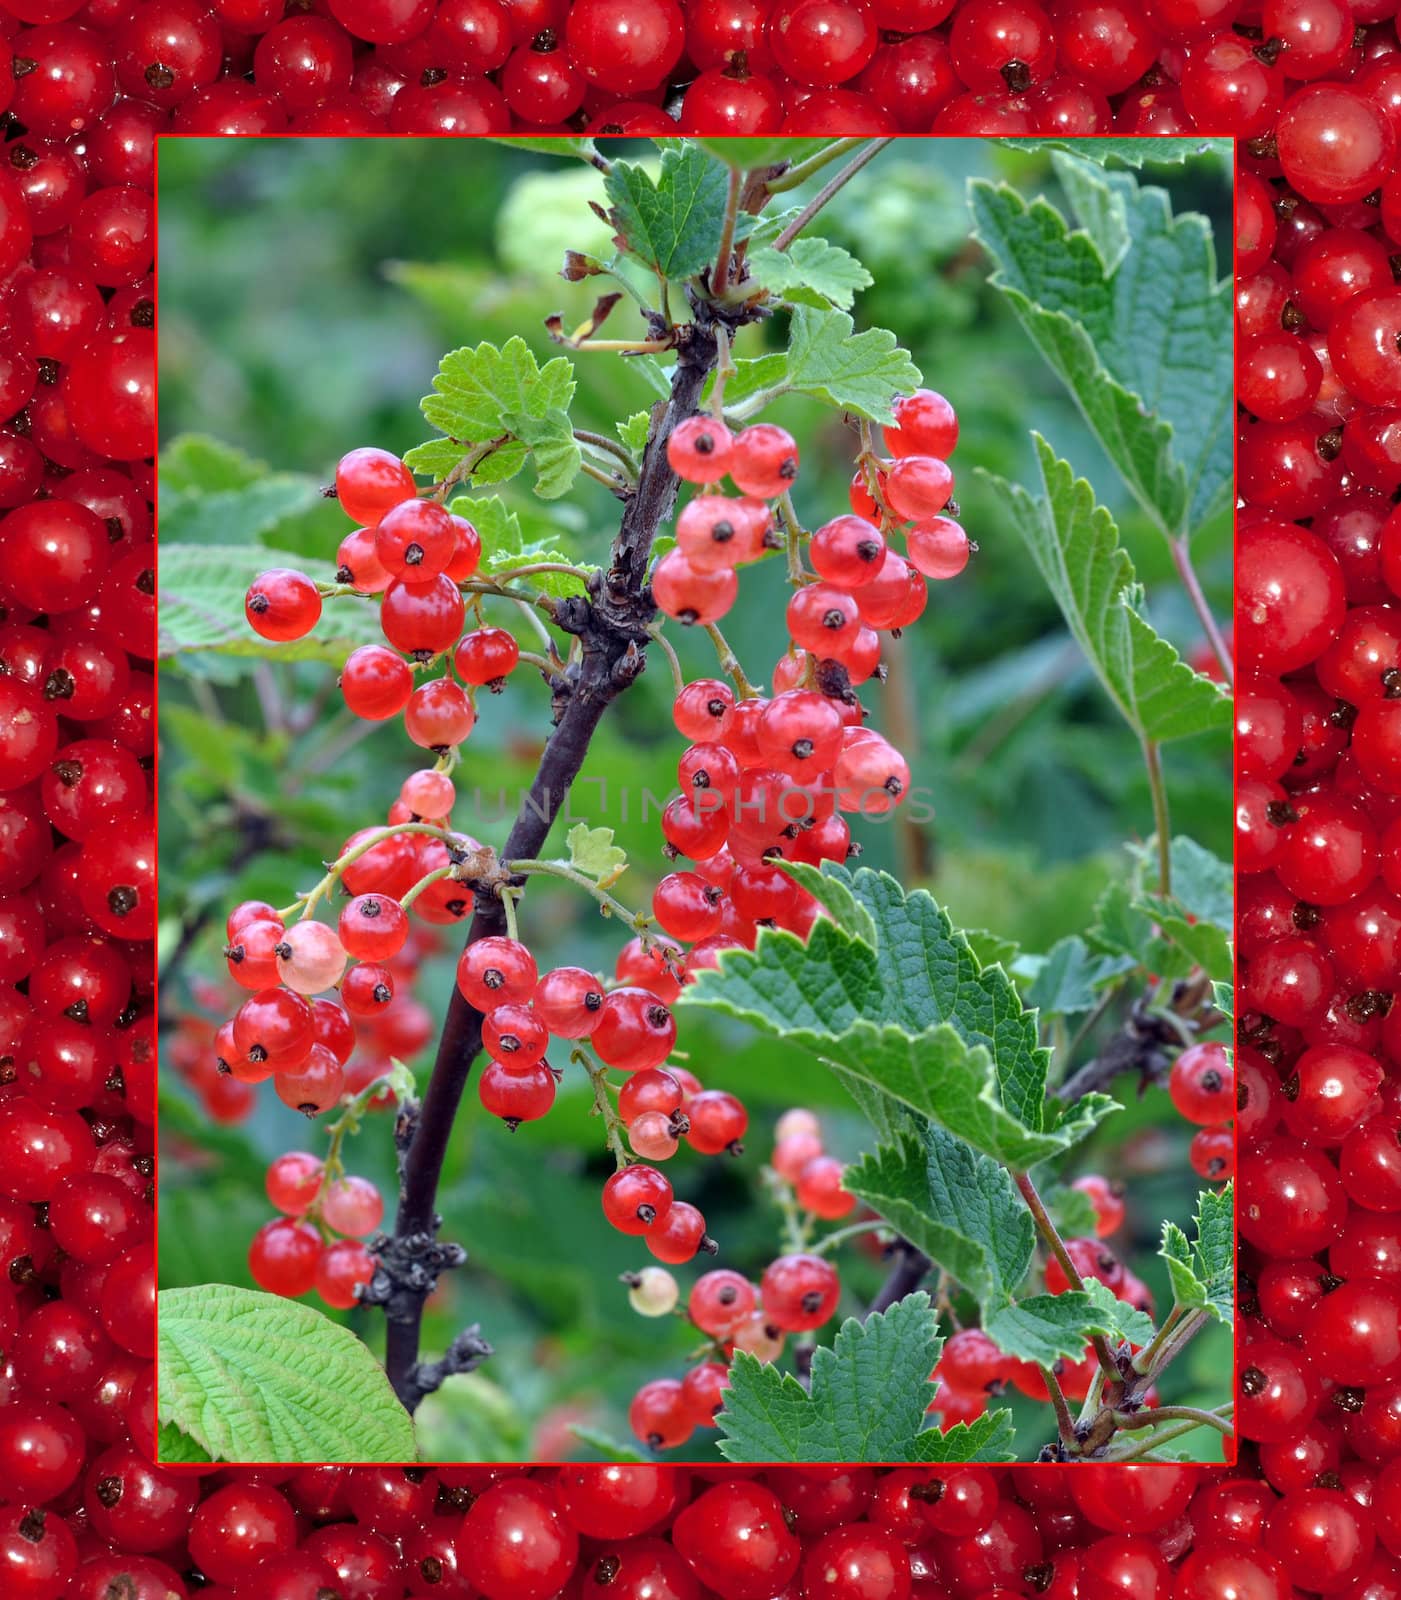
(568, 1000)
(415, 540)
(799, 1292)
(487, 656)
(635, 1197)
(720, 1301)
(718, 1122)
(678, 1234)
(699, 449)
(282, 604)
(660, 1418)
(515, 1093)
(514, 1034)
(847, 551)
(633, 1030)
(1202, 1084)
(370, 482)
(495, 970)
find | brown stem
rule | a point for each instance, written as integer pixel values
(1050, 1236)
(611, 625)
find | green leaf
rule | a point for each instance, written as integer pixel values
(609, 1448)
(1143, 344)
(1070, 1209)
(1131, 152)
(1202, 1271)
(248, 513)
(903, 1014)
(592, 852)
(672, 222)
(435, 458)
(987, 1438)
(254, 1377)
(1046, 1327)
(1197, 916)
(584, 149)
(749, 154)
(866, 1402)
(811, 272)
(635, 430)
(1069, 978)
(861, 372)
(505, 546)
(176, 1448)
(956, 1205)
(194, 461)
(991, 949)
(1075, 545)
(502, 398)
(1102, 208)
(201, 605)
(1223, 997)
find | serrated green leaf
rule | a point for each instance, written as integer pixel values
(1202, 883)
(592, 852)
(502, 398)
(1076, 548)
(748, 154)
(435, 458)
(861, 372)
(991, 949)
(609, 1448)
(987, 1438)
(1132, 152)
(1069, 979)
(811, 272)
(1204, 945)
(1144, 348)
(1101, 208)
(1120, 929)
(906, 1015)
(255, 1377)
(505, 546)
(1223, 997)
(867, 1400)
(635, 430)
(553, 448)
(202, 587)
(956, 1205)
(1202, 1271)
(194, 461)
(174, 1448)
(1048, 1327)
(672, 222)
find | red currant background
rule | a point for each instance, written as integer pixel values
(103, 75)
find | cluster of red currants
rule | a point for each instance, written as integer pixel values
(1319, 817)
(90, 78)
(77, 837)
(322, 1031)
(798, 1291)
(316, 1243)
(653, 1532)
(767, 778)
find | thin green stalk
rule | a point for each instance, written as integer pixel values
(794, 533)
(1136, 1421)
(1161, 824)
(798, 175)
(602, 1105)
(833, 185)
(1149, 1353)
(729, 663)
(423, 883)
(1182, 560)
(612, 447)
(678, 677)
(832, 1240)
(1143, 1448)
(636, 920)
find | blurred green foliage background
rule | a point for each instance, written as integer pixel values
(308, 289)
